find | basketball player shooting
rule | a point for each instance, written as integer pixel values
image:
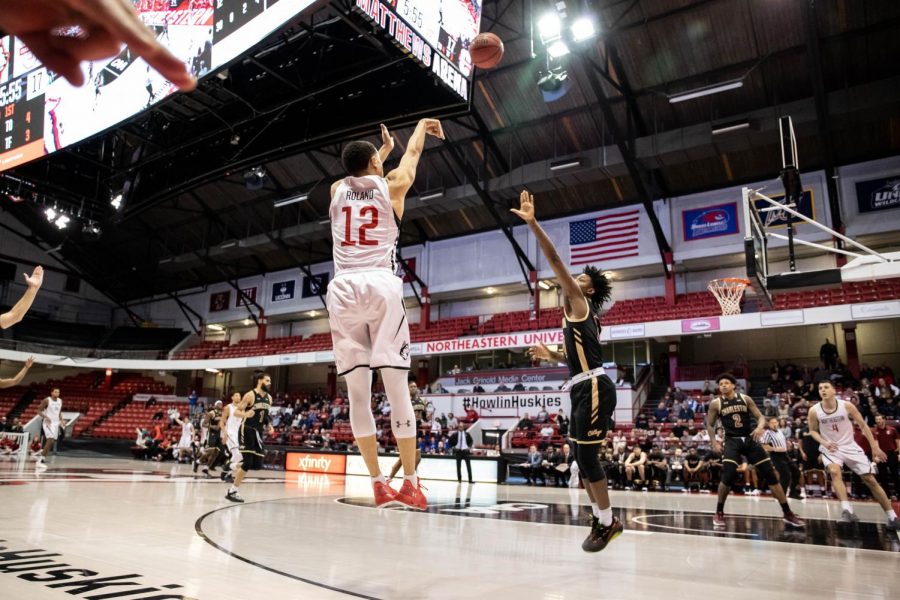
(592, 391)
(365, 300)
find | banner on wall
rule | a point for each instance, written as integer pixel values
(247, 297)
(494, 342)
(709, 221)
(315, 285)
(306, 462)
(219, 301)
(283, 291)
(807, 208)
(878, 194)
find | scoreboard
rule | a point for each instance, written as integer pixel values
(41, 113)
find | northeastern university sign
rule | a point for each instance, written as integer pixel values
(493, 342)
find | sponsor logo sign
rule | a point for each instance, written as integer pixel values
(709, 221)
(283, 291)
(305, 462)
(878, 194)
(700, 325)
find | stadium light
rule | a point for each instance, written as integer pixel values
(51, 214)
(291, 200)
(583, 29)
(706, 91)
(432, 195)
(62, 221)
(115, 200)
(558, 49)
(549, 27)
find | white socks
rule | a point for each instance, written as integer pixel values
(604, 515)
(232, 489)
(846, 506)
(379, 479)
(413, 479)
(891, 515)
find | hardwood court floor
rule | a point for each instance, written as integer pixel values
(114, 528)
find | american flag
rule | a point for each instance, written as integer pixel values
(607, 237)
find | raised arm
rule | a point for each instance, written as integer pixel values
(575, 303)
(401, 179)
(13, 381)
(387, 143)
(17, 312)
(542, 352)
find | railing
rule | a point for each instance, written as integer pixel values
(75, 352)
(710, 371)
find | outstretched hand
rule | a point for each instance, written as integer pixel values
(539, 352)
(526, 207)
(105, 25)
(387, 140)
(36, 278)
(29, 362)
(433, 127)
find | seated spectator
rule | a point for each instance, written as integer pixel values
(712, 463)
(888, 408)
(708, 391)
(452, 422)
(436, 428)
(693, 404)
(618, 443)
(693, 465)
(443, 420)
(635, 464)
(546, 435)
(685, 413)
(641, 422)
(477, 389)
(438, 388)
(524, 423)
(533, 467)
(676, 468)
(502, 388)
(801, 409)
(543, 416)
(678, 395)
(785, 428)
(700, 439)
(679, 429)
(659, 466)
(455, 370)
(518, 388)
(661, 414)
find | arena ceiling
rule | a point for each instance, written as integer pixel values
(189, 220)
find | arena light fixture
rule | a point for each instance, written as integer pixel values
(291, 200)
(215, 327)
(51, 214)
(490, 291)
(544, 285)
(229, 244)
(432, 195)
(247, 322)
(211, 370)
(549, 27)
(115, 200)
(706, 91)
(62, 221)
(558, 49)
(583, 29)
(729, 127)
(561, 165)
(313, 313)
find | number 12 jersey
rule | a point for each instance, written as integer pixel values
(364, 227)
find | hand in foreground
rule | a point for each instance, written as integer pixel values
(36, 278)
(105, 26)
(539, 352)
(526, 207)
(434, 127)
(387, 140)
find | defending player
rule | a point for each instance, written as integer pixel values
(737, 412)
(252, 431)
(593, 392)
(233, 416)
(831, 424)
(365, 300)
(51, 411)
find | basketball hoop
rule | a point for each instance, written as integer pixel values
(728, 292)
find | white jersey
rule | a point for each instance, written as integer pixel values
(232, 423)
(54, 409)
(364, 228)
(837, 426)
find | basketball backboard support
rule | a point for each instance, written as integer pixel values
(758, 209)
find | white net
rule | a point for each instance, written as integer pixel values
(729, 292)
(13, 446)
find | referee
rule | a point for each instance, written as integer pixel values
(775, 444)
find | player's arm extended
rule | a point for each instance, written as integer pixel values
(17, 312)
(401, 179)
(13, 381)
(575, 302)
(387, 144)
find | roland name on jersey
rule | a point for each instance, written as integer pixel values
(363, 195)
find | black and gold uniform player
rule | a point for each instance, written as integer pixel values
(738, 413)
(253, 428)
(593, 393)
(210, 457)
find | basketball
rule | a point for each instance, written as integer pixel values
(486, 50)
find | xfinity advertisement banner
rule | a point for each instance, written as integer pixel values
(878, 194)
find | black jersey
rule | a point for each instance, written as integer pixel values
(736, 416)
(262, 403)
(582, 341)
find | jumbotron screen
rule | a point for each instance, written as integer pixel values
(41, 113)
(436, 32)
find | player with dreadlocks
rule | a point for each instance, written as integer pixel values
(593, 393)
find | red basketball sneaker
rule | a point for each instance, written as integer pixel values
(384, 494)
(411, 496)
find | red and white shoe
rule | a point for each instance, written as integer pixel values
(384, 495)
(411, 496)
(719, 520)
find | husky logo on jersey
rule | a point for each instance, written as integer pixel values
(404, 351)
